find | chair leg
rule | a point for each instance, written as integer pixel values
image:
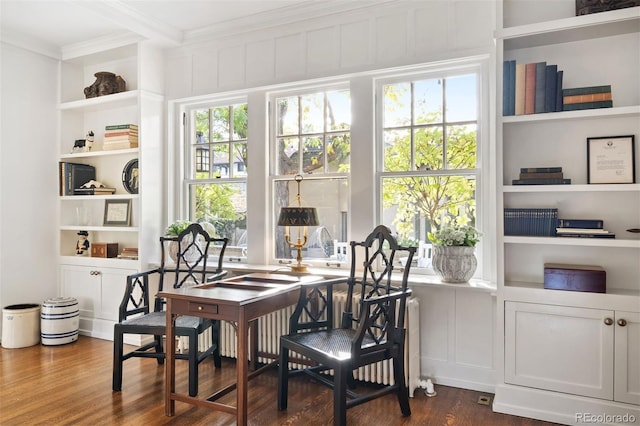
(402, 391)
(283, 378)
(159, 349)
(193, 364)
(117, 359)
(215, 338)
(340, 396)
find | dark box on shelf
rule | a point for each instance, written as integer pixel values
(560, 276)
(585, 7)
(104, 249)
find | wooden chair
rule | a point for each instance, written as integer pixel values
(136, 315)
(372, 327)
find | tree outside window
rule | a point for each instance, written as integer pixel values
(429, 156)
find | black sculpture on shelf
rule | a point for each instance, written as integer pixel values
(106, 83)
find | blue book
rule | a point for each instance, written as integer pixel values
(505, 88)
(581, 223)
(550, 95)
(512, 87)
(559, 98)
(541, 87)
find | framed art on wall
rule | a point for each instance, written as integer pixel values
(117, 212)
(611, 159)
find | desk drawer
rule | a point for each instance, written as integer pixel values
(209, 308)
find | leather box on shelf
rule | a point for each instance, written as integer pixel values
(560, 276)
(104, 249)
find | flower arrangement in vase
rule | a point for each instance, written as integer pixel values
(453, 256)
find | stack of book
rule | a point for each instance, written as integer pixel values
(541, 176)
(120, 136)
(587, 98)
(531, 88)
(585, 228)
(129, 253)
(74, 175)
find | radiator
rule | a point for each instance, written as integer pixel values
(273, 325)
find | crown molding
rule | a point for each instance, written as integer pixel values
(30, 43)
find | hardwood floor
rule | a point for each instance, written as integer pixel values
(71, 385)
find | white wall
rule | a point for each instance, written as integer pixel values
(28, 176)
(457, 325)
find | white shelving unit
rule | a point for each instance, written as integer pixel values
(98, 283)
(545, 379)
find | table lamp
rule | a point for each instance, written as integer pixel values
(300, 217)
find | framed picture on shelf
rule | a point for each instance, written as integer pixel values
(117, 212)
(611, 159)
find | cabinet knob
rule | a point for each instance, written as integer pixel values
(608, 321)
(622, 322)
(200, 308)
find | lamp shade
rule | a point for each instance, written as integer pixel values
(298, 216)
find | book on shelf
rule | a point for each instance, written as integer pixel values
(587, 235)
(550, 89)
(540, 88)
(530, 88)
(586, 90)
(519, 89)
(553, 169)
(94, 191)
(564, 230)
(549, 181)
(121, 133)
(119, 145)
(112, 139)
(541, 175)
(592, 97)
(74, 175)
(587, 105)
(508, 88)
(559, 102)
(581, 223)
(532, 222)
(121, 126)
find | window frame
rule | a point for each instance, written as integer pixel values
(187, 179)
(447, 69)
(274, 178)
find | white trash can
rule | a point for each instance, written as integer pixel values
(59, 321)
(20, 325)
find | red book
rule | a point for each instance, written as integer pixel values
(530, 88)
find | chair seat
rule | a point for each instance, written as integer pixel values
(332, 343)
(159, 319)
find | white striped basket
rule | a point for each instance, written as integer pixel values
(59, 321)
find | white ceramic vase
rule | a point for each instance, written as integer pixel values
(454, 264)
(192, 254)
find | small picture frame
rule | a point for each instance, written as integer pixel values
(117, 212)
(611, 159)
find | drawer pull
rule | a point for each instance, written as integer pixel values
(200, 308)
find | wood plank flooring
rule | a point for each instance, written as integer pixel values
(71, 385)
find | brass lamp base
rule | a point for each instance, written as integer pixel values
(298, 268)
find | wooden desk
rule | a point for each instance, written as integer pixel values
(241, 300)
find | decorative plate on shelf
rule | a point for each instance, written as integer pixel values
(130, 179)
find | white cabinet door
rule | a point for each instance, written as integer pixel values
(559, 348)
(113, 282)
(627, 349)
(82, 283)
(99, 290)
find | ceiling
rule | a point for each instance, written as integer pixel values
(52, 25)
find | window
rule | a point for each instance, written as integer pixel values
(428, 151)
(312, 138)
(216, 173)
